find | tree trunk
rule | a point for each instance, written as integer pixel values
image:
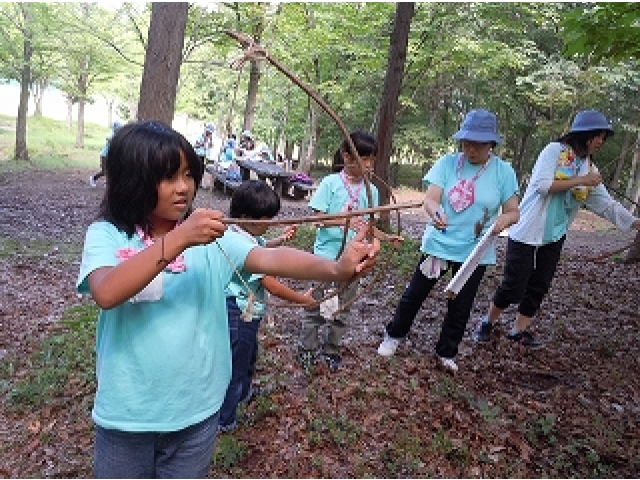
(69, 112)
(624, 150)
(163, 58)
(633, 191)
(389, 104)
(82, 99)
(310, 151)
(110, 104)
(633, 184)
(252, 96)
(21, 152)
(39, 87)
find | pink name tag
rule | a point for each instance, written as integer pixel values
(461, 195)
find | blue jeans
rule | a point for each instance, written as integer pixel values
(458, 309)
(186, 453)
(244, 352)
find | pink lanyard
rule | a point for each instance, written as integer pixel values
(176, 266)
(354, 196)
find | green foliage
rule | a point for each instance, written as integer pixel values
(601, 31)
(229, 452)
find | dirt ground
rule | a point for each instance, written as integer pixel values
(570, 409)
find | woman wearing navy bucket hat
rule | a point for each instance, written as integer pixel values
(465, 192)
(564, 179)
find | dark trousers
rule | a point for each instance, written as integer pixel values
(458, 309)
(528, 273)
(244, 348)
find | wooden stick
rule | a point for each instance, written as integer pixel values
(320, 218)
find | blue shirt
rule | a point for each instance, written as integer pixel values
(331, 196)
(163, 365)
(493, 187)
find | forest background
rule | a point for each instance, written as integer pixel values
(533, 64)
(571, 409)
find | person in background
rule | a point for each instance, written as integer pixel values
(246, 141)
(103, 155)
(563, 180)
(158, 270)
(338, 192)
(465, 192)
(205, 143)
(247, 294)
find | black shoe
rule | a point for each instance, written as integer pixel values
(334, 361)
(525, 339)
(483, 332)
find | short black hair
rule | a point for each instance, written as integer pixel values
(254, 199)
(141, 155)
(365, 144)
(578, 140)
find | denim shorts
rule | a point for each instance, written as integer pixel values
(186, 453)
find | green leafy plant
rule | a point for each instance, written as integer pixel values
(229, 452)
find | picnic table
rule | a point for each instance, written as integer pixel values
(268, 172)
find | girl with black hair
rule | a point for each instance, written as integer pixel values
(340, 191)
(158, 270)
(564, 179)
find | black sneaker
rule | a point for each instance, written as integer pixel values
(525, 339)
(334, 361)
(307, 359)
(483, 332)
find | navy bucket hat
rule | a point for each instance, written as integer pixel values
(589, 120)
(479, 126)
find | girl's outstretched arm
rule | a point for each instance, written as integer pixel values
(358, 258)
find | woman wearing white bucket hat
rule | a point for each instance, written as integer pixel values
(465, 192)
(564, 179)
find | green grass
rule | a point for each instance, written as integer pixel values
(33, 249)
(65, 357)
(51, 145)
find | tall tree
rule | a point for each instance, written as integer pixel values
(601, 33)
(162, 62)
(389, 103)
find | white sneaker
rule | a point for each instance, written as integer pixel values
(448, 364)
(388, 346)
(92, 181)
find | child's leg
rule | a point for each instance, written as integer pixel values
(243, 336)
(338, 325)
(311, 323)
(253, 359)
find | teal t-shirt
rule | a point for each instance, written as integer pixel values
(493, 187)
(238, 288)
(331, 196)
(163, 365)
